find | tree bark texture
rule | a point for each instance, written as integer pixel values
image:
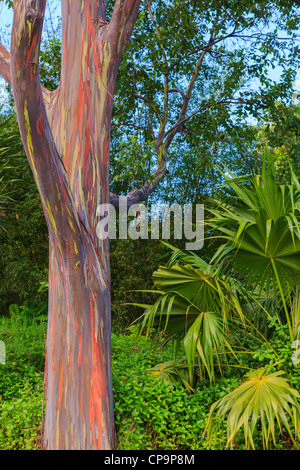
(66, 135)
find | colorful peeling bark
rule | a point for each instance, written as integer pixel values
(66, 136)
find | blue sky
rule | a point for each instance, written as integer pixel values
(5, 20)
(6, 16)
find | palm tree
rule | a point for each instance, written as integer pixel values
(199, 308)
(262, 234)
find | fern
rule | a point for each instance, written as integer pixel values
(29, 309)
(14, 310)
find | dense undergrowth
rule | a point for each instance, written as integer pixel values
(149, 413)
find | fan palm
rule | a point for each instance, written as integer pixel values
(196, 306)
(263, 235)
(263, 247)
(257, 268)
(262, 397)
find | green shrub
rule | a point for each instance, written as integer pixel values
(150, 414)
(21, 383)
(279, 351)
(20, 420)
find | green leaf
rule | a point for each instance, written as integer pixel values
(263, 397)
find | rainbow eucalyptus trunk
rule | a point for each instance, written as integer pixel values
(66, 135)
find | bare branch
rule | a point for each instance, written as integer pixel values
(186, 98)
(142, 194)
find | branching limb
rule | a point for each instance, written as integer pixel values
(187, 95)
(121, 24)
(5, 64)
(142, 194)
(186, 98)
(36, 134)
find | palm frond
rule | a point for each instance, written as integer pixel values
(261, 230)
(262, 397)
(196, 306)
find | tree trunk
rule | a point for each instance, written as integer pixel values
(66, 135)
(79, 412)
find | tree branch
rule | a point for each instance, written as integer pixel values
(34, 127)
(122, 22)
(179, 123)
(186, 98)
(141, 194)
(5, 64)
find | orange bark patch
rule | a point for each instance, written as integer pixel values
(98, 379)
(60, 386)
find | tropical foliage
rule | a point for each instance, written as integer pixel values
(262, 396)
(196, 307)
(262, 231)
(215, 310)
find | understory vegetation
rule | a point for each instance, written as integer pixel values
(149, 413)
(212, 361)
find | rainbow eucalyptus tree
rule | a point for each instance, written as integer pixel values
(66, 135)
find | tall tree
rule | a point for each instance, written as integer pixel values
(66, 136)
(192, 75)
